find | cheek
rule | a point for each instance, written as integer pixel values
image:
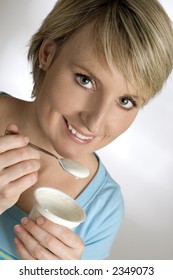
(61, 95)
(119, 125)
(126, 123)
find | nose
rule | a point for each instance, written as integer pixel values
(97, 116)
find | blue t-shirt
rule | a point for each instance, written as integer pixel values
(103, 203)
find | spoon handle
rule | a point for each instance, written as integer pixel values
(72, 167)
(36, 147)
(42, 150)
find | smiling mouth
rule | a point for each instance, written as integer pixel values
(77, 134)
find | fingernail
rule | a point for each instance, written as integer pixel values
(24, 221)
(17, 228)
(40, 221)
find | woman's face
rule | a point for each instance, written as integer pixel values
(82, 106)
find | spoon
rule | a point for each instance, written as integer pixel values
(78, 170)
(72, 167)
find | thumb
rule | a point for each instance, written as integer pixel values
(11, 129)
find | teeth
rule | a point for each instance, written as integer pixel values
(80, 136)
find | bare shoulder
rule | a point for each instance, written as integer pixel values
(9, 109)
(4, 111)
(5, 101)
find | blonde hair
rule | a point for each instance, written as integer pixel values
(135, 36)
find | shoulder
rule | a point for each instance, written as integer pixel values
(105, 212)
(4, 111)
(9, 110)
(102, 189)
(103, 195)
(103, 203)
(106, 181)
(108, 202)
(5, 101)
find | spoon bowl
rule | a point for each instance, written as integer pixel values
(75, 168)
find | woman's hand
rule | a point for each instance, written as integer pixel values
(19, 164)
(45, 240)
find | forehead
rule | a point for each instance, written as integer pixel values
(80, 50)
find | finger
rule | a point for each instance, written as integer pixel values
(21, 250)
(18, 170)
(11, 192)
(10, 142)
(58, 248)
(17, 155)
(14, 189)
(32, 245)
(66, 235)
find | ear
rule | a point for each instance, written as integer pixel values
(46, 53)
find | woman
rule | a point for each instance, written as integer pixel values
(95, 64)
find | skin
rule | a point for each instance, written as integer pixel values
(96, 101)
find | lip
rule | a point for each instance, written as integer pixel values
(74, 138)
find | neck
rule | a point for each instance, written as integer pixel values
(30, 126)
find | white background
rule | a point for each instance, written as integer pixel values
(141, 160)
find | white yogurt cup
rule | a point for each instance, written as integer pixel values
(57, 207)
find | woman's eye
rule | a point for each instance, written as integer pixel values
(127, 102)
(84, 81)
